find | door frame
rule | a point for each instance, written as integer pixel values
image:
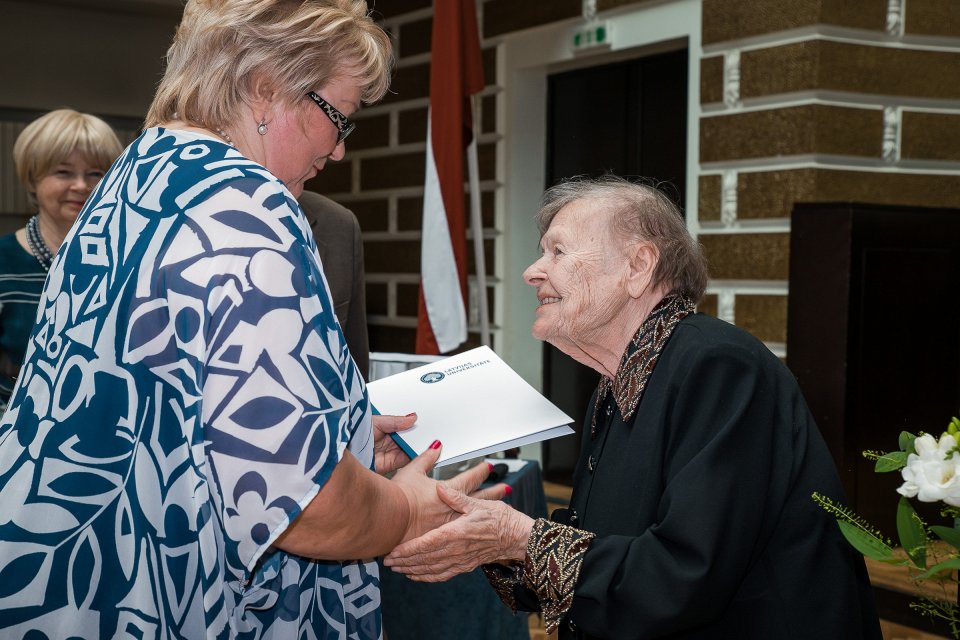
(525, 60)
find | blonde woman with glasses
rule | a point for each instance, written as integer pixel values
(190, 452)
(60, 157)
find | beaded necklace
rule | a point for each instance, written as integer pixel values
(226, 136)
(38, 247)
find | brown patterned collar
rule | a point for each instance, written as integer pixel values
(641, 357)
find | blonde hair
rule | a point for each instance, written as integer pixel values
(639, 212)
(222, 46)
(48, 140)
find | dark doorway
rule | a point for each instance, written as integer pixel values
(627, 118)
(873, 336)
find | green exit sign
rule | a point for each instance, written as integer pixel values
(590, 36)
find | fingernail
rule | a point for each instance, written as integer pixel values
(435, 445)
(507, 490)
(410, 415)
(489, 467)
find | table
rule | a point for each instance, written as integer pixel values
(465, 607)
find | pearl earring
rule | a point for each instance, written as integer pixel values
(262, 128)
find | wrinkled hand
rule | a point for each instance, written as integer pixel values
(388, 456)
(427, 509)
(486, 532)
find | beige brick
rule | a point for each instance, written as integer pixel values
(932, 18)
(748, 256)
(763, 316)
(792, 131)
(708, 304)
(734, 19)
(930, 136)
(711, 79)
(771, 194)
(819, 64)
(710, 189)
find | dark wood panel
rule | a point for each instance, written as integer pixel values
(872, 334)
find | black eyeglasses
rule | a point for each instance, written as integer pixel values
(344, 126)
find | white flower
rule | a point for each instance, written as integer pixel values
(930, 475)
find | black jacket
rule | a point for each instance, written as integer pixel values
(702, 506)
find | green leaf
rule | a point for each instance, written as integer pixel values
(954, 427)
(948, 534)
(913, 537)
(866, 543)
(952, 563)
(906, 442)
(893, 461)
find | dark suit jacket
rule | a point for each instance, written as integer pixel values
(337, 232)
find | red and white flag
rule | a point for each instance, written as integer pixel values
(456, 73)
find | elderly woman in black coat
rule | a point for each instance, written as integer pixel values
(691, 514)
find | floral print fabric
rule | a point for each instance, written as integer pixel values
(186, 392)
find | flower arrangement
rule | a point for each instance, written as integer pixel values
(930, 468)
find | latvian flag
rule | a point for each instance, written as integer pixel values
(456, 73)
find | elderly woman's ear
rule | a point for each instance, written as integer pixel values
(642, 258)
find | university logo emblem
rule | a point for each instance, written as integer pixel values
(433, 376)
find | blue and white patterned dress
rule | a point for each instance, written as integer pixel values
(186, 392)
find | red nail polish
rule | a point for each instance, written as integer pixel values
(507, 490)
(435, 445)
(489, 467)
(410, 415)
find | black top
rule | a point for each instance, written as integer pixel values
(21, 283)
(702, 509)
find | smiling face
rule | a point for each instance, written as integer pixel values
(580, 278)
(303, 138)
(62, 193)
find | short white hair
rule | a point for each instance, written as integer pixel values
(639, 212)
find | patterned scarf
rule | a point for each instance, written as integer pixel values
(641, 357)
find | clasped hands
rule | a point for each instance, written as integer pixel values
(465, 528)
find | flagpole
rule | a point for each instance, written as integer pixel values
(476, 224)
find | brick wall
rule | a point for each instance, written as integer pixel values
(381, 180)
(817, 100)
(800, 101)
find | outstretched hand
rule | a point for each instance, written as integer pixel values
(487, 531)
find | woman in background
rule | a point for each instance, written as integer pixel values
(59, 157)
(189, 452)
